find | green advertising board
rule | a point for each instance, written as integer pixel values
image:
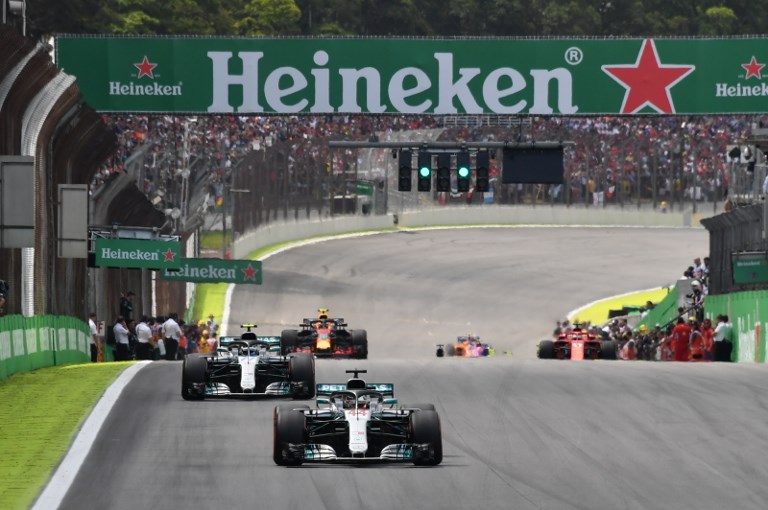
(418, 76)
(216, 271)
(138, 253)
(749, 267)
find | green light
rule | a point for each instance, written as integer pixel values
(463, 172)
(425, 171)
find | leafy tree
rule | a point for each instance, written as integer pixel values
(718, 21)
(268, 17)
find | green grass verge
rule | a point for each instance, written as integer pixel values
(597, 313)
(40, 413)
(211, 240)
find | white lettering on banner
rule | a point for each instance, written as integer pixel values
(739, 90)
(458, 89)
(349, 81)
(493, 94)
(541, 79)
(117, 88)
(45, 339)
(31, 336)
(18, 342)
(398, 93)
(222, 79)
(322, 85)
(5, 345)
(206, 272)
(108, 253)
(405, 83)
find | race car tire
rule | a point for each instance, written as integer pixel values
(423, 407)
(440, 352)
(289, 339)
(193, 371)
(425, 428)
(360, 343)
(301, 369)
(289, 427)
(546, 349)
(608, 349)
(450, 350)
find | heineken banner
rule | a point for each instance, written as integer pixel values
(749, 267)
(138, 253)
(216, 271)
(419, 76)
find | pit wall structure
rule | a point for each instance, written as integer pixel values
(29, 343)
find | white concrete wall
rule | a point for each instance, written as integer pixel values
(281, 232)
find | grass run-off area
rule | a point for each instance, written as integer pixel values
(40, 412)
(597, 313)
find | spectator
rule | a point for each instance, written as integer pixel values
(96, 353)
(723, 332)
(171, 335)
(122, 346)
(143, 339)
(3, 296)
(126, 305)
(681, 336)
(212, 326)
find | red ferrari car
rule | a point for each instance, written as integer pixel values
(577, 343)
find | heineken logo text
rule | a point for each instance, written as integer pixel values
(207, 272)
(117, 88)
(116, 254)
(283, 86)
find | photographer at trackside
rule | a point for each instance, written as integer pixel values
(171, 334)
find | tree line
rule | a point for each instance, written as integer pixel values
(422, 18)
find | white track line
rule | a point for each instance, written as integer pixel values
(65, 473)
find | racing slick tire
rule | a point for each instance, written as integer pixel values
(450, 350)
(289, 339)
(289, 427)
(193, 371)
(546, 349)
(608, 349)
(425, 428)
(360, 343)
(440, 352)
(301, 369)
(423, 407)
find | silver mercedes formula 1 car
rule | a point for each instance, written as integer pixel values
(248, 367)
(357, 422)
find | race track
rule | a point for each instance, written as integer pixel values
(519, 433)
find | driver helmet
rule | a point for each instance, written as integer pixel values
(349, 401)
(322, 313)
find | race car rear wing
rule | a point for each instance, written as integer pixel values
(325, 390)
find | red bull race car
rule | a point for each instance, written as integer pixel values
(577, 343)
(325, 337)
(468, 346)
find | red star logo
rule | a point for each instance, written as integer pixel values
(145, 68)
(169, 255)
(753, 69)
(250, 273)
(648, 81)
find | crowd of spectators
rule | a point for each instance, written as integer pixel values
(611, 157)
(689, 336)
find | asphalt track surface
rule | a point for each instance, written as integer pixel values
(519, 433)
